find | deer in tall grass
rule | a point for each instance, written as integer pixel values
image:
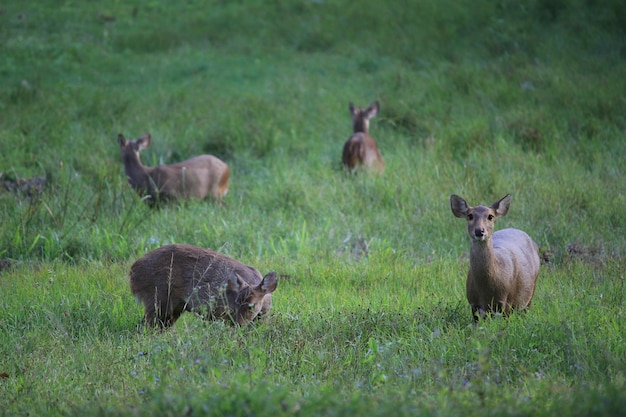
(199, 177)
(177, 278)
(503, 265)
(361, 149)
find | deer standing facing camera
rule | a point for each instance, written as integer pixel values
(503, 265)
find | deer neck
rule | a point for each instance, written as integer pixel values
(135, 171)
(483, 261)
(360, 126)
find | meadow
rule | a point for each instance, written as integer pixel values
(479, 99)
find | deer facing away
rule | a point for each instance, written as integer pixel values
(361, 149)
(198, 177)
(177, 278)
(503, 265)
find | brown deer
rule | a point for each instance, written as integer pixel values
(361, 149)
(503, 265)
(198, 177)
(177, 278)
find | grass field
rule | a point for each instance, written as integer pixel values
(477, 98)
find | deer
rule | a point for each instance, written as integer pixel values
(504, 265)
(176, 278)
(198, 177)
(361, 150)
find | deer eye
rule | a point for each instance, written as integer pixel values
(490, 217)
(470, 216)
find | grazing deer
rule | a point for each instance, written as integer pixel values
(198, 177)
(177, 278)
(361, 149)
(503, 265)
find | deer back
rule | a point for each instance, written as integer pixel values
(518, 261)
(199, 177)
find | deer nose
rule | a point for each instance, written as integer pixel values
(479, 232)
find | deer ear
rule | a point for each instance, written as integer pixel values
(501, 207)
(233, 282)
(372, 110)
(121, 140)
(269, 283)
(144, 141)
(459, 206)
(351, 107)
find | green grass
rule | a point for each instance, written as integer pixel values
(477, 98)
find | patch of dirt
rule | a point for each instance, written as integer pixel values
(586, 253)
(30, 187)
(5, 264)
(357, 247)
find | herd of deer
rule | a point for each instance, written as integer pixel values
(175, 278)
